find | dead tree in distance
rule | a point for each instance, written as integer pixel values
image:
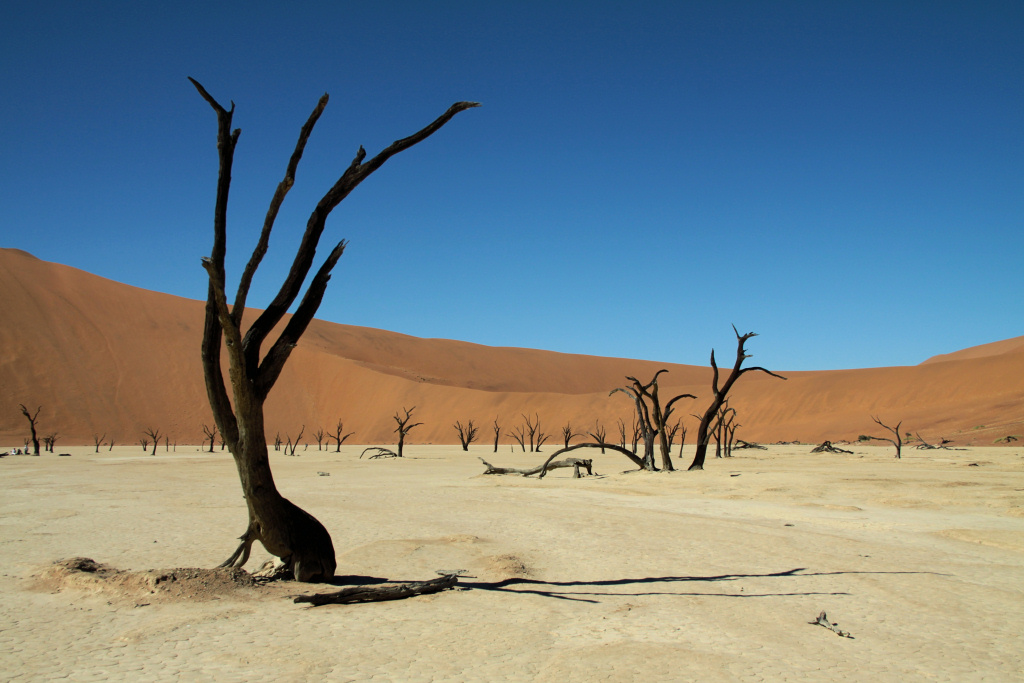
(497, 433)
(285, 530)
(99, 441)
(600, 434)
(720, 395)
(319, 436)
(50, 440)
(467, 433)
(155, 435)
(404, 427)
(568, 433)
(897, 441)
(211, 434)
(31, 417)
(519, 434)
(338, 435)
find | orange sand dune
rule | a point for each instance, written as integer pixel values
(105, 358)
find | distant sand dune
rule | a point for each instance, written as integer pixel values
(103, 357)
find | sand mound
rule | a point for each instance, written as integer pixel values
(192, 584)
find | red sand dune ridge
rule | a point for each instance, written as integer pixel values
(106, 358)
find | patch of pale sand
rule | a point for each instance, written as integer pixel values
(707, 575)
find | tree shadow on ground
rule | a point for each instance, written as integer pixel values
(549, 588)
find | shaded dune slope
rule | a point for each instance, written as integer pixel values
(107, 358)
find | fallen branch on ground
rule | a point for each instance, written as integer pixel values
(575, 463)
(381, 593)
(381, 453)
(827, 447)
(822, 620)
(740, 444)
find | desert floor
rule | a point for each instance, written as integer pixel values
(709, 576)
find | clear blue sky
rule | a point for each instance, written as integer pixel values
(844, 178)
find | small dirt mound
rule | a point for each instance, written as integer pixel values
(509, 567)
(187, 584)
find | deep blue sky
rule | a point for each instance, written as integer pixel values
(844, 178)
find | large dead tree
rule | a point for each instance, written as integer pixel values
(720, 395)
(31, 417)
(285, 530)
(653, 418)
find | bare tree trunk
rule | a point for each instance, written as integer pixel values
(32, 426)
(284, 529)
(704, 430)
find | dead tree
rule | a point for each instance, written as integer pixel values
(31, 417)
(319, 436)
(725, 415)
(404, 427)
(145, 444)
(897, 441)
(531, 428)
(467, 433)
(155, 435)
(277, 442)
(720, 395)
(497, 433)
(568, 433)
(98, 440)
(682, 437)
(730, 436)
(338, 435)
(622, 432)
(677, 428)
(211, 434)
(111, 443)
(600, 434)
(519, 434)
(653, 419)
(284, 529)
(541, 438)
(50, 440)
(289, 448)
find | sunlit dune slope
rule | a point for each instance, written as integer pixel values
(105, 358)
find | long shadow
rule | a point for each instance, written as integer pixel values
(507, 585)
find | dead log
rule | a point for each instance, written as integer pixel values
(822, 620)
(575, 463)
(381, 592)
(741, 444)
(827, 447)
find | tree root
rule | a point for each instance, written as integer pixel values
(381, 593)
(827, 447)
(575, 463)
(241, 554)
(380, 453)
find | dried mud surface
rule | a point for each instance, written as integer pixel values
(710, 576)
